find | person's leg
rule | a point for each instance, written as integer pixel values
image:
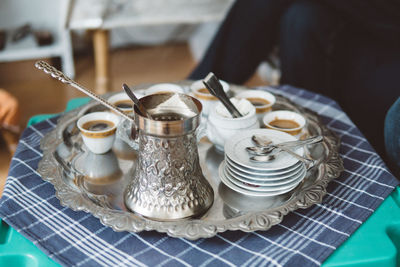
(307, 32)
(245, 38)
(392, 137)
(358, 71)
(368, 82)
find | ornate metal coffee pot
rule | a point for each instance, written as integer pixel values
(168, 182)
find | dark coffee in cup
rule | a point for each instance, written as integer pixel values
(124, 104)
(284, 124)
(98, 125)
(258, 101)
(204, 94)
(203, 91)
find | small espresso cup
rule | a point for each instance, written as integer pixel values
(123, 102)
(164, 88)
(98, 130)
(261, 100)
(285, 121)
(199, 91)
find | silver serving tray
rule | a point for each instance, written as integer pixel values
(67, 165)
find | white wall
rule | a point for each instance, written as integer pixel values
(42, 14)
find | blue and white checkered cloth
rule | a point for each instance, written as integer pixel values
(304, 238)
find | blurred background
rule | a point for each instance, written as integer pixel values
(101, 44)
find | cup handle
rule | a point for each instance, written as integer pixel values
(201, 131)
(128, 132)
(214, 136)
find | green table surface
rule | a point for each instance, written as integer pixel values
(375, 243)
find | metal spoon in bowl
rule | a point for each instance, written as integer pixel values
(216, 89)
(64, 79)
(135, 100)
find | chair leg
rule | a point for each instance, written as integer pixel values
(101, 47)
(67, 56)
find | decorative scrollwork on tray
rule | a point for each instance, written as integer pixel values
(304, 196)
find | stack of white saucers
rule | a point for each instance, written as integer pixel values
(271, 178)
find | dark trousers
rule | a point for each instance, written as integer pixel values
(320, 50)
(244, 40)
(392, 137)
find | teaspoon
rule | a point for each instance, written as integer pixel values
(264, 146)
(264, 158)
(135, 100)
(215, 88)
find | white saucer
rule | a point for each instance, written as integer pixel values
(295, 180)
(264, 181)
(247, 192)
(235, 149)
(278, 174)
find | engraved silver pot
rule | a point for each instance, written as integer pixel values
(168, 183)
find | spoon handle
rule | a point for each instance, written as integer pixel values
(267, 146)
(136, 101)
(64, 79)
(308, 141)
(267, 157)
(216, 89)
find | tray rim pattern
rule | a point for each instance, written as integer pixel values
(192, 229)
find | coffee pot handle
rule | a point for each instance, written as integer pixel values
(128, 132)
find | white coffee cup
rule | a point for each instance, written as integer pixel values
(221, 126)
(200, 92)
(123, 102)
(261, 100)
(293, 119)
(98, 130)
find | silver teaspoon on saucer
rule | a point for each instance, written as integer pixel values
(265, 150)
(264, 146)
(265, 158)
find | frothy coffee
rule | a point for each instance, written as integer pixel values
(125, 104)
(284, 124)
(258, 101)
(98, 125)
(203, 91)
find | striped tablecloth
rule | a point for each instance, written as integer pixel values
(304, 238)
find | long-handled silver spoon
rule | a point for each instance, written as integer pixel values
(136, 101)
(64, 79)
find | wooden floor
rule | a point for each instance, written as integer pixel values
(38, 93)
